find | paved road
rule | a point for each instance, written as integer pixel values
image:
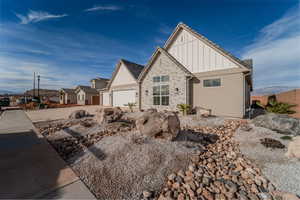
(58, 113)
(29, 166)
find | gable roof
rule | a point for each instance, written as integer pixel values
(68, 90)
(163, 51)
(213, 45)
(86, 89)
(133, 68)
(100, 79)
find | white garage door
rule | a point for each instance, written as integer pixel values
(105, 98)
(123, 97)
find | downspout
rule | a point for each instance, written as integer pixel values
(140, 96)
(244, 92)
(188, 78)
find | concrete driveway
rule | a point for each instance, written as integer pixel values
(30, 167)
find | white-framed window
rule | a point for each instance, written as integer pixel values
(212, 82)
(161, 90)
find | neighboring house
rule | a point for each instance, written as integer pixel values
(67, 96)
(87, 95)
(99, 83)
(191, 69)
(123, 86)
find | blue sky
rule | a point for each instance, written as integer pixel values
(71, 41)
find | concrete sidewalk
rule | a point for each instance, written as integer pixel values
(30, 167)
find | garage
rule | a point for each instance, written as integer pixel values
(106, 99)
(122, 97)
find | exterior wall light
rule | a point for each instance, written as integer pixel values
(147, 92)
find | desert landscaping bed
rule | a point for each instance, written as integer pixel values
(203, 161)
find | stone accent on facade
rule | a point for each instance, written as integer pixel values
(163, 65)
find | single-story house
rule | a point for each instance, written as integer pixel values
(190, 69)
(123, 86)
(87, 95)
(67, 96)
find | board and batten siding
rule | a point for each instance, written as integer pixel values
(197, 56)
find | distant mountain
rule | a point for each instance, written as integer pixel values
(43, 92)
(271, 90)
(6, 92)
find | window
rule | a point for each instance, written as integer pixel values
(212, 82)
(164, 78)
(160, 90)
(161, 95)
(156, 79)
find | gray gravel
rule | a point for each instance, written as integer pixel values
(121, 167)
(283, 172)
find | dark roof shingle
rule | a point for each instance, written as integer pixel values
(135, 69)
(87, 89)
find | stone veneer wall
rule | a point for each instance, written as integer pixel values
(163, 65)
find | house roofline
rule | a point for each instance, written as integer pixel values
(161, 50)
(210, 43)
(117, 67)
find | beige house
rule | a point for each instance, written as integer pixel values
(87, 95)
(193, 70)
(123, 86)
(99, 83)
(67, 96)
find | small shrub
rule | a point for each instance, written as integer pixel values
(130, 106)
(274, 106)
(286, 137)
(280, 108)
(184, 108)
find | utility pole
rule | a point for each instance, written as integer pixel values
(33, 84)
(38, 86)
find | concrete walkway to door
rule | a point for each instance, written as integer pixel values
(29, 166)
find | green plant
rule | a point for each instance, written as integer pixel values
(184, 108)
(286, 137)
(279, 107)
(130, 106)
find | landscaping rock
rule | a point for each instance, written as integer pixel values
(159, 124)
(151, 110)
(77, 114)
(281, 123)
(108, 115)
(294, 148)
(118, 126)
(220, 172)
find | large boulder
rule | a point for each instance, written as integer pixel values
(159, 124)
(77, 114)
(281, 123)
(294, 148)
(108, 115)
